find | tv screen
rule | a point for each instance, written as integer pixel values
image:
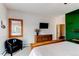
(43, 26)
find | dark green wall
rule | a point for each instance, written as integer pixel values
(72, 25)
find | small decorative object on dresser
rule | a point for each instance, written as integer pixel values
(37, 31)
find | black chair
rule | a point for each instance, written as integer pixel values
(12, 45)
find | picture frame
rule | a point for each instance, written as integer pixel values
(15, 27)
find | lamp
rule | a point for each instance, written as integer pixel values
(2, 25)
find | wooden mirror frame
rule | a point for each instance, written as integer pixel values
(10, 27)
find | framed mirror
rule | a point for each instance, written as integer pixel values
(15, 28)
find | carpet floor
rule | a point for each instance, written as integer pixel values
(24, 52)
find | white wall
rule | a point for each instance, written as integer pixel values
(31, 22)
(57, 20)
(3, 32)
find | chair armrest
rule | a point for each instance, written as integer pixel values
(9, 46)
(9, 43)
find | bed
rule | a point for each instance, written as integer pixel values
(57, 49)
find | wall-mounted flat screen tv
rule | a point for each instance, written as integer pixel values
(43, 26)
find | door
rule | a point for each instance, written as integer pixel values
(60, 29)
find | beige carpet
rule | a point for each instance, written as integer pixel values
(24, 52)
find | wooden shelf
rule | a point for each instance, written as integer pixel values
(45, 43)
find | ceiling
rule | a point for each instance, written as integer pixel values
(43, 9)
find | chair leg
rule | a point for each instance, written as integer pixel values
(11, 54)
(21, 48)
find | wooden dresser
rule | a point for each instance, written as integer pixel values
(43, 38)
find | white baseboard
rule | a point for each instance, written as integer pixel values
(26, 44)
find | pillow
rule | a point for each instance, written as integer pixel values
(14, 40)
